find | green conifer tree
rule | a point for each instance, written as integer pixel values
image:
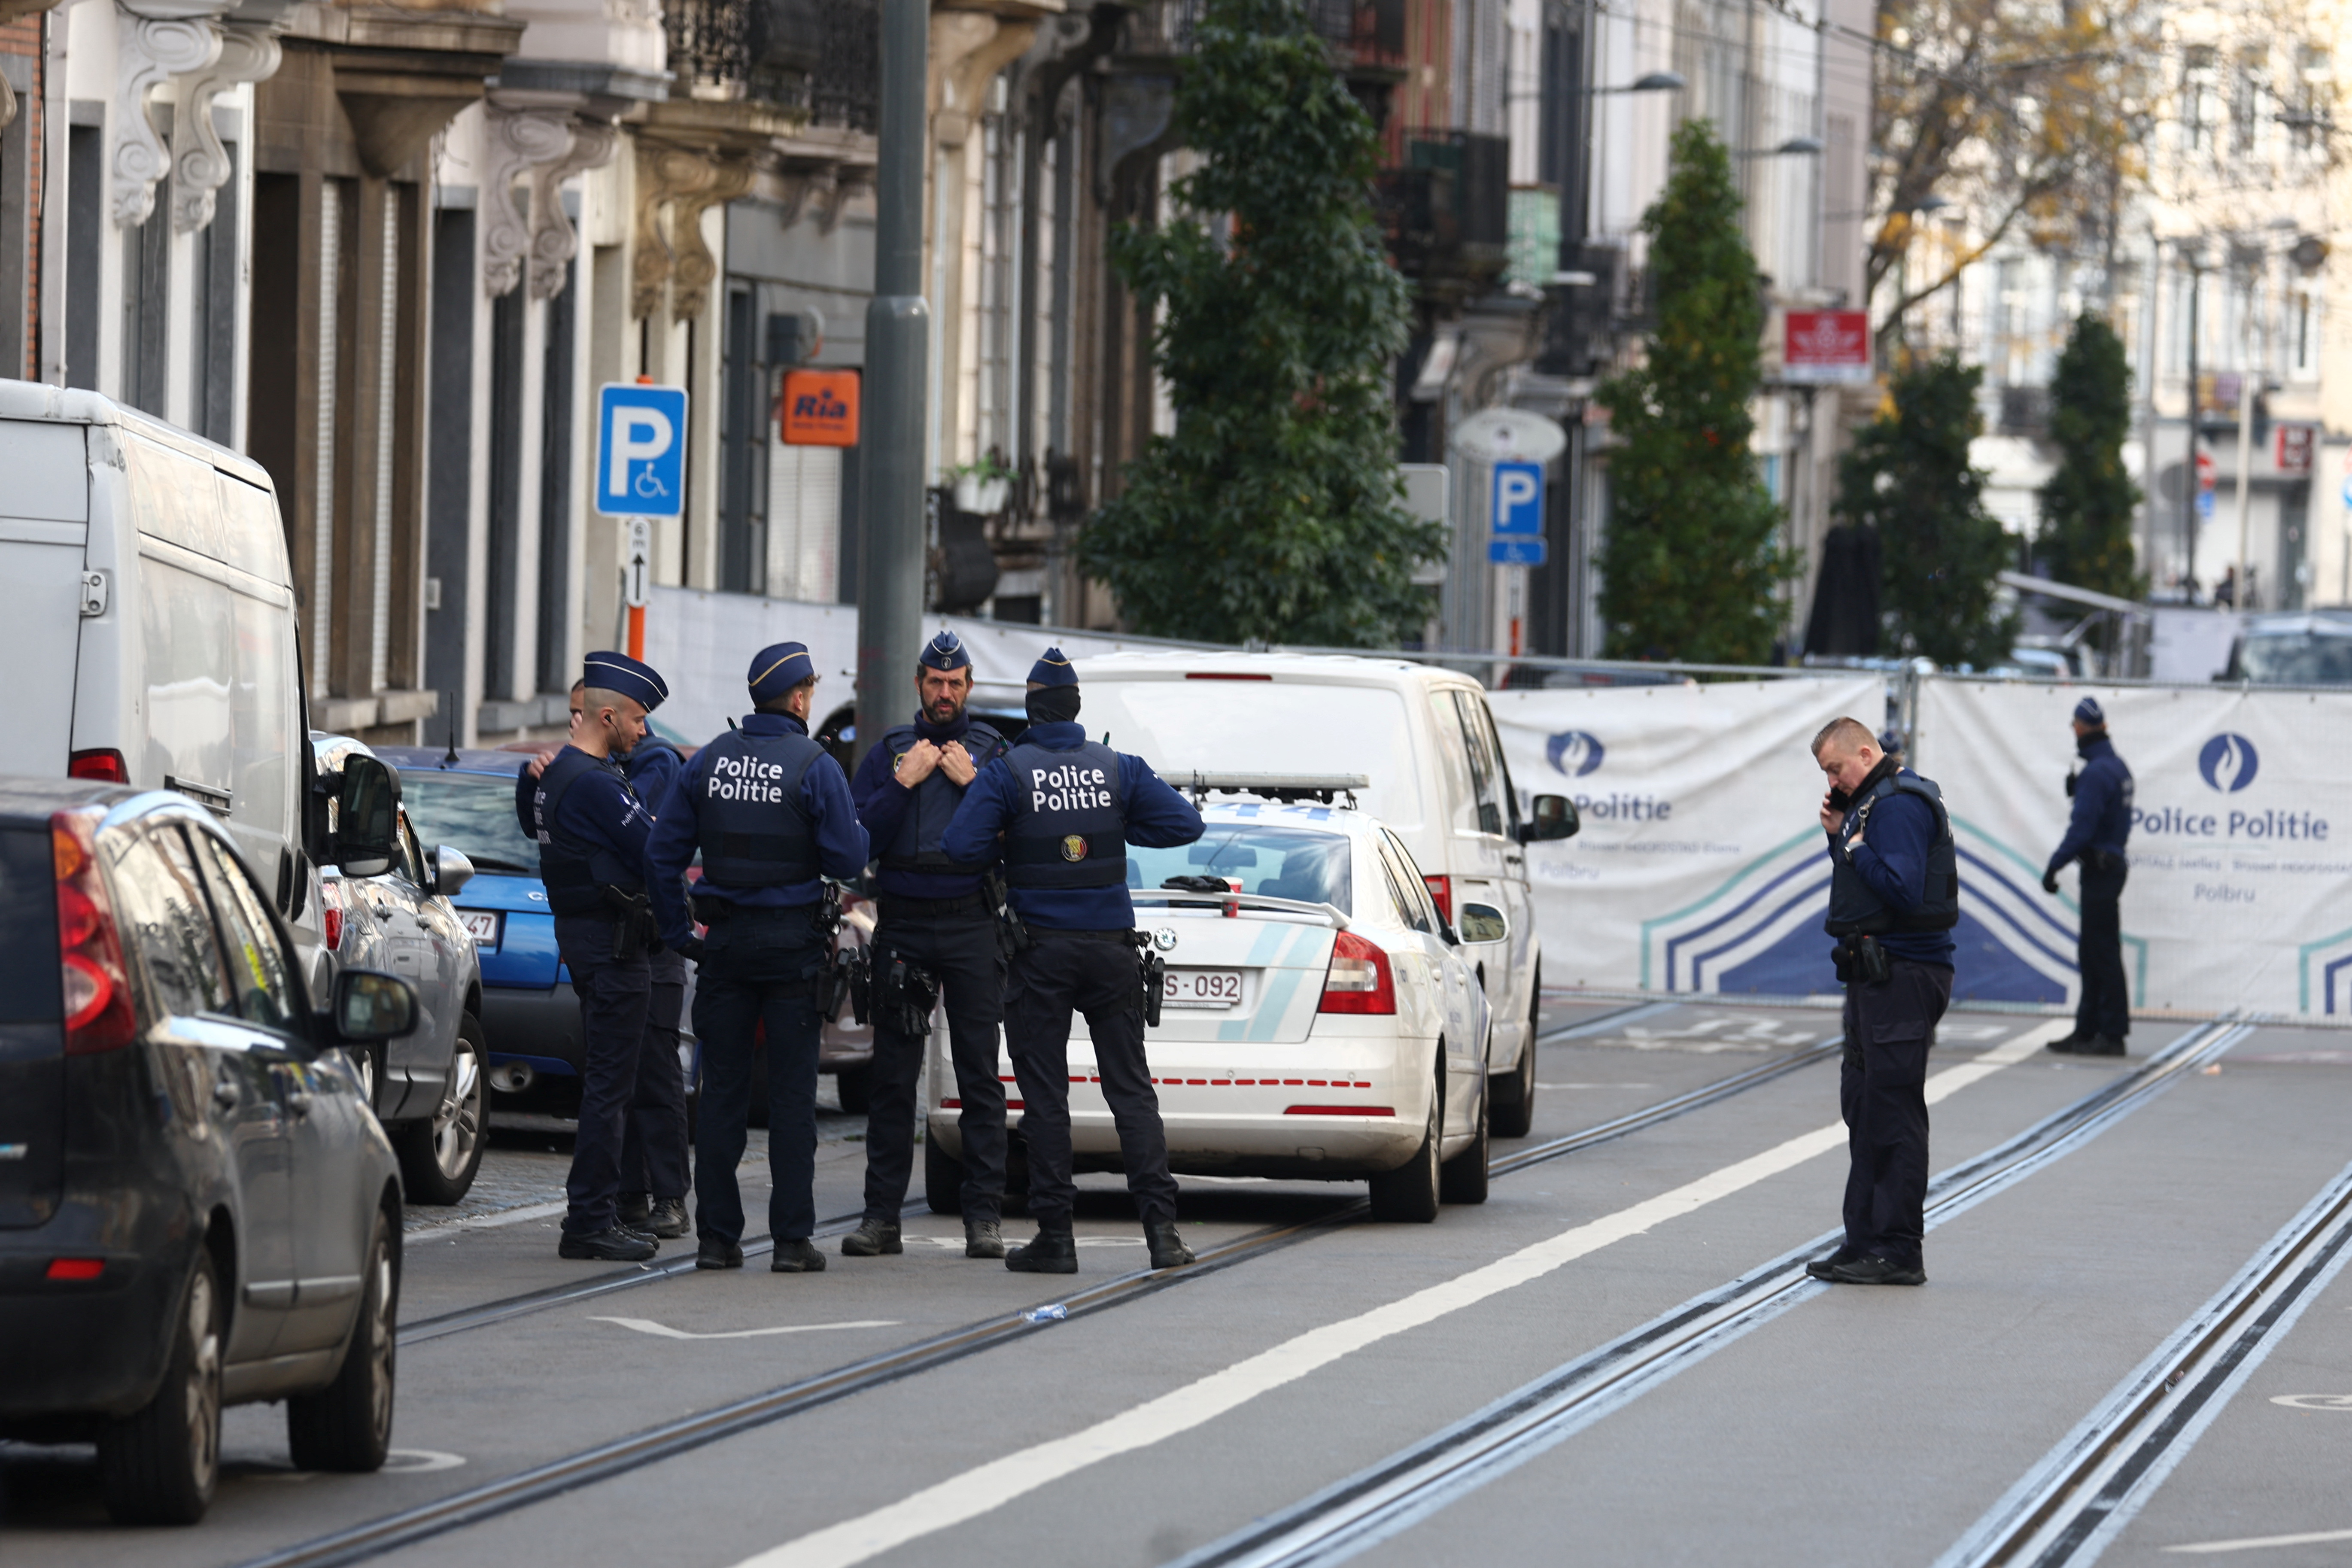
(1693, 563)
(2086, 507)
(1274, 511)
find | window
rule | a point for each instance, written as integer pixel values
(1485, 719)
(166, 923)
(29, 990)
(410, 863)
(2197, 94)
(1470, 715)
(260, 968)
(1406, 887)
(1273, 862)
(471, 812)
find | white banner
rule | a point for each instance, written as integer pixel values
(1701, 866)
(2240, 887)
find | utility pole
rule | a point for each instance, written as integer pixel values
(898, 347)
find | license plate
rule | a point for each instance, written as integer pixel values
(483, 925)
(1202, 988)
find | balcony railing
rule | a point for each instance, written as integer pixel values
(821, 57)
(1446, 213)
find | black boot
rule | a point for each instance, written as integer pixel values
(665, 1219)
(2100, 1045)
(613, 1246)
(2069, 1046)
(982, 1238)
(634, 1209)
(1049, 1252)
(796, 1257)
(872, 1239)
(718, 1252)
(1168, 1249)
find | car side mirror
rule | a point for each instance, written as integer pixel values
(1483, 922)
(1554, 817)
(451, 870)
(367, 830)
(370, 1006)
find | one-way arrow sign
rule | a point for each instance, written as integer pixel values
(640, 560)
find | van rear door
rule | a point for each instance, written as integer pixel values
(32, 1032)
(44, 528)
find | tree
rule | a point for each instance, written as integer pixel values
(1692, 563)
(2086, 507)
(1274, 511)
(1908, 476)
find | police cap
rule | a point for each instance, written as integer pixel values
(632, 678)
(2088, 711)
(777, 669)
(1052, 668)
(945, 652)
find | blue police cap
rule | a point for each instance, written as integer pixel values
(632, 678)
(2088, 711)
(776, 669)
(945, 652)
(1052, 670)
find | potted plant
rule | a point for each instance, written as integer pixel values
(981, 487)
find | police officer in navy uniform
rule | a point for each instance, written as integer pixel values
(935, 915)
(592, 830)
(1066, 807)
(769, 809)
(1894, 897)
(2096, 835)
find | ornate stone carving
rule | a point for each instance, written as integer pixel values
(696, 268)
(520, 140)
(689, 182)
(553, 241)
(200, 164)
(152, 41)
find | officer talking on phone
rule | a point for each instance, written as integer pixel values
(2096, 835)
(936, 933)
(1066, 807)
(1894, 897)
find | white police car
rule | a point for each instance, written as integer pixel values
(1316, 1019)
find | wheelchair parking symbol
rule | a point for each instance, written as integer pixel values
(640, 450)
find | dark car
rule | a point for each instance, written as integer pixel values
(2310, 647)
(196, 1207)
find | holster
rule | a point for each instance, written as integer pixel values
(1151, 972)
(905, 997)
(1860, 960)
(858, 979)
(1013, 938)
(845, 981)
(635, 931)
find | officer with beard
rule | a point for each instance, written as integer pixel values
(2096, 835)
(936, 933)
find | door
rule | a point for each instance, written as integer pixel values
(327, 1124)
(1447, 979)
(226, 1069)
(43, 530)
(1503, 868)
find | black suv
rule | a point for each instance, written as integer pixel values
(196, 1207)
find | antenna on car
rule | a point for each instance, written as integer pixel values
(451, 760)
(1285, 787)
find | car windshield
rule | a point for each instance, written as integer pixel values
(470, 812)
(1275, 862)
(2297, 659)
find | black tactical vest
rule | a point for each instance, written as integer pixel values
(752, 827)
(1855, 911)
(916, 846)
(575, 873)
(1067, 830)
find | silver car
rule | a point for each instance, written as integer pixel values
(430, 1089)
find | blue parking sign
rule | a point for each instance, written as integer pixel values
(640, 450)
(1515, 551)
(1518, 498)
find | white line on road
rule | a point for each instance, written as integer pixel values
(991, 1486)
(2259, 1542)
(499, 1216)
(647, 1326)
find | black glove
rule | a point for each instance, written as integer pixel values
(2049, 882)
(690, 949)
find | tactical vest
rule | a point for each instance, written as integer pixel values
(576, 873)
(1855, 911)
(752, 827)
(916, 846)
(1067, 830)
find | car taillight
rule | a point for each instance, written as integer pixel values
(98, 1015)
(76, 1267)
(1441, 893)
(104, 763)
(330, 915)
(1360, 980)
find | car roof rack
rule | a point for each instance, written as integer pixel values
(1288, 787)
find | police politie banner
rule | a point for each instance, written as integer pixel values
(2240, 886)
(1701, 866)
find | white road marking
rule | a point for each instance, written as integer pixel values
(418, 1461)
(989, 1487)
(484, 1221)
(1596, 1086)
(2260, 1542)
(2314, 1400)
(647, 1326)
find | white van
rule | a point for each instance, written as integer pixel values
(150, 633)
(1424, 739)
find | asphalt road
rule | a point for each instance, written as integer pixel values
(1299, 1374)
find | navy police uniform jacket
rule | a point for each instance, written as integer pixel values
(908, 826)
(772, 818)
(2103, 804)
(590, 828)
(1906, 835)
(651, 768)
(1067, 807)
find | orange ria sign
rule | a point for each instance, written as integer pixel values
(819, 408)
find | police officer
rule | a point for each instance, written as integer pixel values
(1066, 807)
(769, 810)
(592, 830)
(2096, 835)
(935, 921)
(1894, 897)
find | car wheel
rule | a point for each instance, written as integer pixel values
(1464, 1178)
(1515, 1094)
(1408, 1194)
(347, 1426)
(159, 1465)
(439, 1156)
(855, 1086)
(943, 1178)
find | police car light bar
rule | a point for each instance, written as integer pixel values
(1179, 897)
(1281, 786)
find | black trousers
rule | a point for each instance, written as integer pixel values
(2105, 1004)
(1882, 1095)
(615, 989)
(653, 1142)
(754, 971)
(961, 951)
(1062, 973)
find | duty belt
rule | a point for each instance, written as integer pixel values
(902, 906)
(714, 911)
(1124, 938)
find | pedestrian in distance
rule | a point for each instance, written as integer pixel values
(2096, 834)
(592, 830)
(1894, 897)
(1066, 807)
(770, 811)
(937, 935)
